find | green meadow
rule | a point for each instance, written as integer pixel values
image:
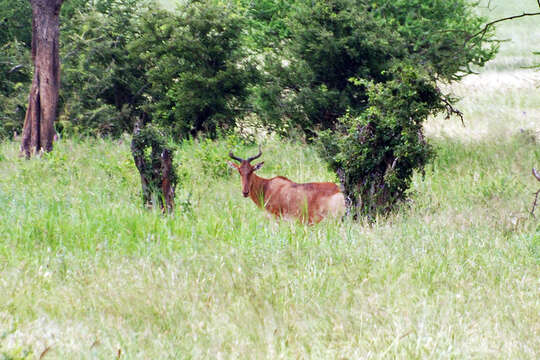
(87, 273)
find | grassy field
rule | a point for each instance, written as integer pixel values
(86, 273)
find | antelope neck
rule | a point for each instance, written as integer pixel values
(256, 189)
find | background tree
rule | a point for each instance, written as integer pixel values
(376, 152)
(197, 70)
(15, 22)
(38, 130)
(363, 75)
(330, 42)
(101, 82)
(266, 22)
(16, 68)
(15, 64)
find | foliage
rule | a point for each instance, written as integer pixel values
(15, 67)
(99, 78)
(15, 76)
(375, 152)
(196, 70)
(154, 160)
(185, 71)
(266, 24)
(308, 81)
(438, 35)
(348, 65)
(332, 41)
(16, 22)
(192, 70)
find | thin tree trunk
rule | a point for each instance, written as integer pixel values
(167, 186)
(38, 130)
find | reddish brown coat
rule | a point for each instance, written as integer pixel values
(309, 202)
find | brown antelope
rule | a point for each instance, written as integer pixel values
(310, 202)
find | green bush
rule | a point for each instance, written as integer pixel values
(196, 69)
(308, 78)
(186, 71)
(332, 41)
(99, 78)
(16, 71)
(16, 22)
(15, 66)
(363, 75)
(438, 35)
(376, 152)
(266, 22)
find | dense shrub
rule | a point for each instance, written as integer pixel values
(99, 78)
(16, 22)
(376, 151)
(332, 41)
(184, 70)
(438, 35)
(187, 70)
(266, 22)
(196, 69)
(15, 67)
(16, 73)
(364, 76)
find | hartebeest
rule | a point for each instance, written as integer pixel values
(310, 202)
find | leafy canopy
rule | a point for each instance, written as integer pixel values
(197, 75)
(361, 77)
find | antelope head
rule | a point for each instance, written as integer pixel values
(246, 170)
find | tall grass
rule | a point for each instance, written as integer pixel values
(86, 272)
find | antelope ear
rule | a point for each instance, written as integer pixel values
(258, 166)
(232, 165)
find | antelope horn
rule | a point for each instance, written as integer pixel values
(250, 159)
(536, 174)
(231, 155)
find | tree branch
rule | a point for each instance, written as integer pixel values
(534, 203)
(534, 172)
(17, 67)
(486, 27)
(537, 176)
(450, 109)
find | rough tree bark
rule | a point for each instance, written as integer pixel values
(155, 164)
(38, 130)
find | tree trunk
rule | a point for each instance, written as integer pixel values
(38, 130)
(167, 182)
(158, 177)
